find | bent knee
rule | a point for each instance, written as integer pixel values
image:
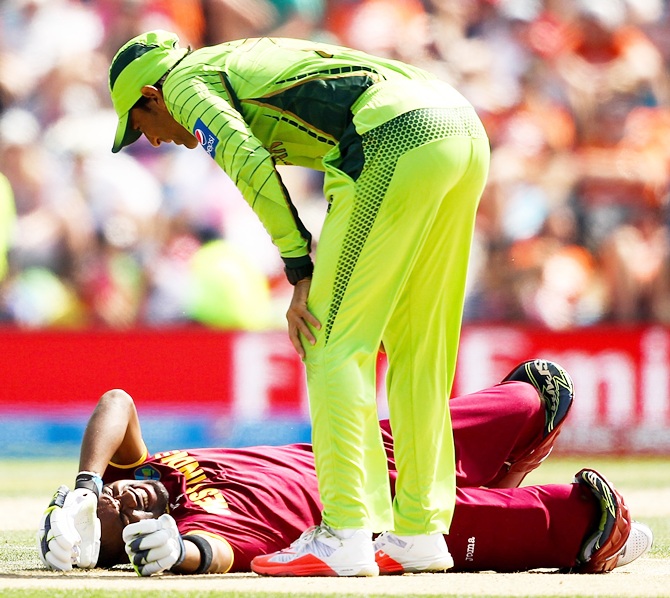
(527, 401)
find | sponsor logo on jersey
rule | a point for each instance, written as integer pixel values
(147, 472)
(205, 137)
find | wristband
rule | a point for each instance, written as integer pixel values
(206, 554)
(295, 275)
(90, 481)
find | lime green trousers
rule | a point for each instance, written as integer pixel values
(390, 271)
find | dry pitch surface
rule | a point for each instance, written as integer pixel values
(646, 577)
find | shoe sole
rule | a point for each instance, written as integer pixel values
(315, 573)
(314, 570)
(389, 566)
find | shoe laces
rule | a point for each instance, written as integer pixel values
(386, 538)
(309, 535)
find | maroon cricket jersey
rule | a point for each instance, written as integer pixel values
(258, 499)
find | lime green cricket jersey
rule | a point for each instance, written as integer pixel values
(256, 103)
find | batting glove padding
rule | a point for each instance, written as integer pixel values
(82, 505)
(154, 545)
(69, 531)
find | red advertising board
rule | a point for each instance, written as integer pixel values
(622, 376)
(178, 370)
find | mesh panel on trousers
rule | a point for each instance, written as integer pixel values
(382, 147)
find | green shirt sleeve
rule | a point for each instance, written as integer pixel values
(203, 109)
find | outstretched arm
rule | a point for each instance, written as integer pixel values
(113, 434)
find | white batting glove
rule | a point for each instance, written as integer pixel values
(154, 545)
(82, 505)
(57, 538)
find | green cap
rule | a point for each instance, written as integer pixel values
(142, 61)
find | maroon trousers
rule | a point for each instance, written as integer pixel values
(510, 529)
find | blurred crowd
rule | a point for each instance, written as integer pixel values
(573, 228)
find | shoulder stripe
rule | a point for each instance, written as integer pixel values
(343, 70)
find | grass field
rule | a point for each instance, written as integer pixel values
(27, 486)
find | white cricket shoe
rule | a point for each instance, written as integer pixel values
(321, 552)
(639, 541)
(412, 554)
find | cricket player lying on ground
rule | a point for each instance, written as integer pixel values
(213, 510)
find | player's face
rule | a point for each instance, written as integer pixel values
(124, 502)
(155, 122)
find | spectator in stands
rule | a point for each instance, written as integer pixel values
(560, 142)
